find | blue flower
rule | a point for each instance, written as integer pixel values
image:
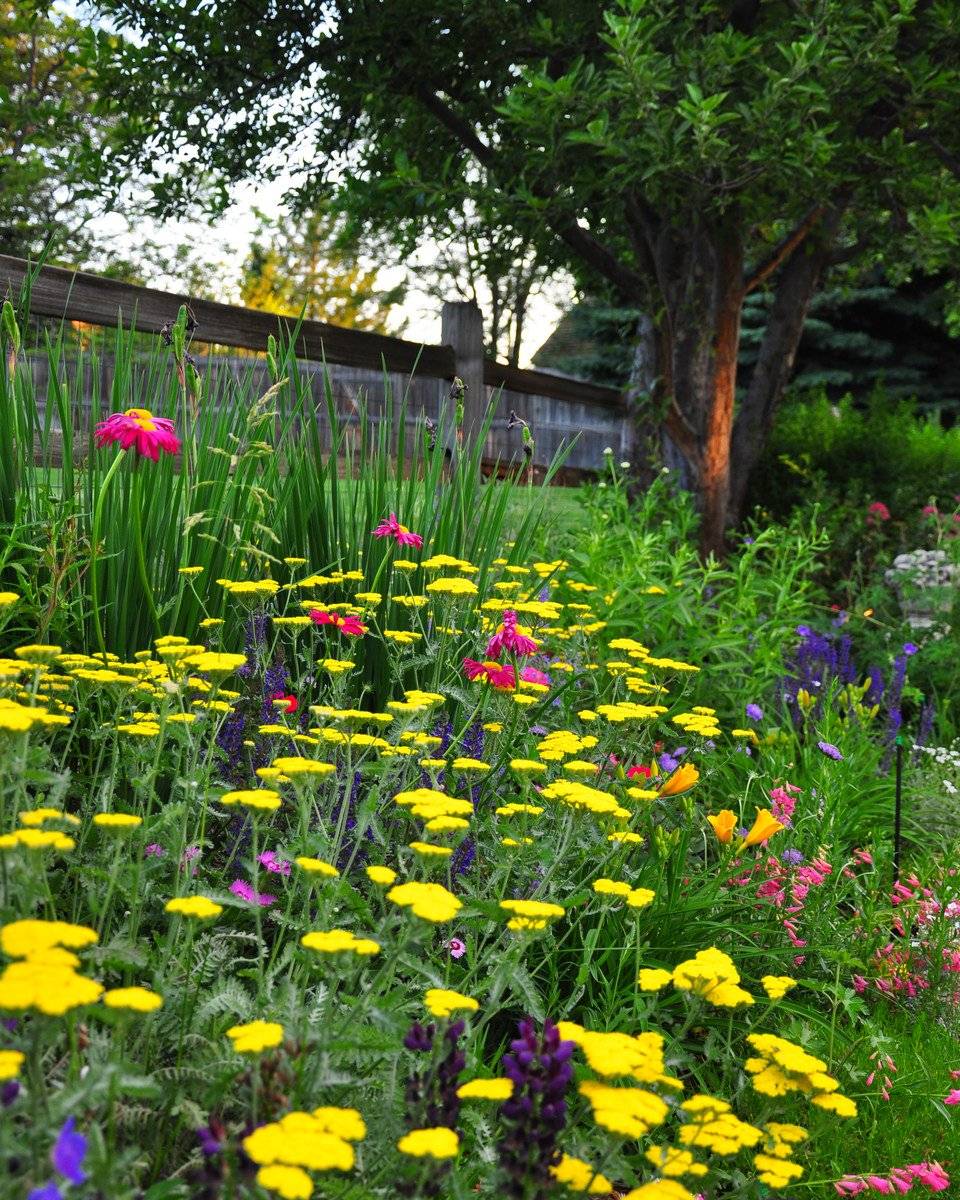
(830, 751)
(910, 648)
(792, 858)
(754, 712)
(68, 1153)
(49, 1191)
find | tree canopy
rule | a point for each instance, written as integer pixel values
(50, 131)
(684, 154)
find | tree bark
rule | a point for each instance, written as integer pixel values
(718, 423)
(796, 287)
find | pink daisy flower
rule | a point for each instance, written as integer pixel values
(348, 625)
(499, 675)
(400, 533)
(140, 429)
(509, 638)
(532, 675)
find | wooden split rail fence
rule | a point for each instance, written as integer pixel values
(558, 409)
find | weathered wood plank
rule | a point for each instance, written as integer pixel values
(80, 296)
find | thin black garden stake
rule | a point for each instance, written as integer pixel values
(896, 811)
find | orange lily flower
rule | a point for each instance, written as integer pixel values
(765, 826)
(682, 780)
(724, 824)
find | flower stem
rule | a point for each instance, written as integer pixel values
(141, 559)
(94, 545)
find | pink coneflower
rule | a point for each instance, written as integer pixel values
(241, 888)
(400, 533)
(140, 429)
(509, 637)
(277, 866)
(348, 625)
(498, 675)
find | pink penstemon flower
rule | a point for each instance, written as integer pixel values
(400, 533)
(139, 429)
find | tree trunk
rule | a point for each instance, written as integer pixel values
(718, 431)
(797, 285)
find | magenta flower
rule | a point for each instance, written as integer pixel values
(241, 888)
(400, 533)
(953, 1097)
(276, 866)
(532, 675)
(458, 948)
(498, 675)
(351, 626)
(508, 637)
(878, 511)
(154, 850)
(140, 429)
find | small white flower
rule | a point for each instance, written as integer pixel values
(625, 466)
(608, 450)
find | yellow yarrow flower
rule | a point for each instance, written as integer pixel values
(435, 1142)
(292, 1183)
(10, 1060)
(200, 907)
(579, 1176)
(117, 820)
(36, 839)
(259, 798)
(255, 1037)
(441, 1003)
(486, 1089)
(777, 986)
(317, 866)
(429, 901)
(137, 999)
(338, 941)
(381, 875)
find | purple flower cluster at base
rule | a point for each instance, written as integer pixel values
(539, 1064)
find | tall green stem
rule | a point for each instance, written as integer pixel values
(94, 548)
(141, 558)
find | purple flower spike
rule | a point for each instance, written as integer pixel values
(754, 712)
(68, 1153)
(49, 1191)
(830, 751)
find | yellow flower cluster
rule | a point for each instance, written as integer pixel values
(437, 1141)
(299, 1142)
(780, 1067)
(429, 901)
(255, 1036)
(614, 1055)
(635, 897)
(44, 977)
(441, 1003)
(530, 914)
(339, 941)
(585, 798)
(710, 974)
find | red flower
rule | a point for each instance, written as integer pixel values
(348, 625)
(138, 428)
(290, 706)
(400, 533)
(499, 675)
(508, 636)
(639, 771)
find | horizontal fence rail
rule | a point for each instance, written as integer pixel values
(559, 410)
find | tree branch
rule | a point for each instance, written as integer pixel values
(573, 235)
(782, 252)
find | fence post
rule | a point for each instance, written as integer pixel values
(461, 326)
